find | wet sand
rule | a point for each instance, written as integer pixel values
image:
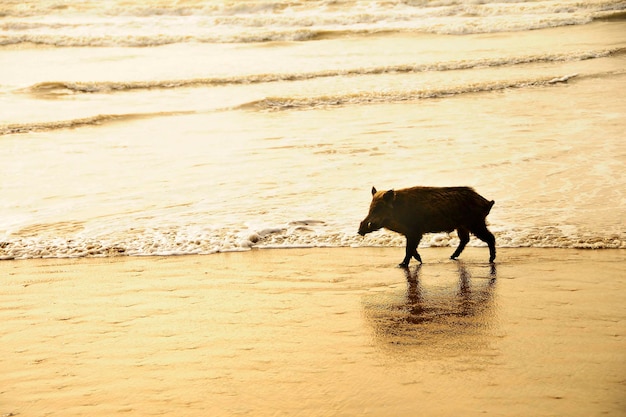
(316, 332)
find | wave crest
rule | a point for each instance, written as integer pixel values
(301, 103)
(57, 88)
(82, 122)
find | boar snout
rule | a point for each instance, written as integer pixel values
(367, 227)
(363, 228)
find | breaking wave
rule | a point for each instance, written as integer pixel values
(140, 24)
(304, 103)
(370, 97)
(58, 88)
(297, 234)
(82, 122)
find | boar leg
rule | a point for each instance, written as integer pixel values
(411, 251)
(465, 237)
(486, 236)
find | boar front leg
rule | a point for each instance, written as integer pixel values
(411, 250)
(464, 238)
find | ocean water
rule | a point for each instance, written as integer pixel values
(145, 128)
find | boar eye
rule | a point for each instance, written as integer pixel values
(369, 225)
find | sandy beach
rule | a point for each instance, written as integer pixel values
(316, 332)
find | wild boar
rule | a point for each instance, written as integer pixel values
(419, 210)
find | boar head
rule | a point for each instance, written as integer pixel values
(381, 211)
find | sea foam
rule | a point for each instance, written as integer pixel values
(186, 241)
(136, 24)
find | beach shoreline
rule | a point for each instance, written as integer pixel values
(328, 331)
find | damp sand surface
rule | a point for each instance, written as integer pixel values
(316, 332)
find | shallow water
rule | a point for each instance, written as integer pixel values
(219, 140)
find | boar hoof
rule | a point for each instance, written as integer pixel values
(404, 265)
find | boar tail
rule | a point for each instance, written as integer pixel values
(491, 203)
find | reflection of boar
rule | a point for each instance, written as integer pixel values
(418, 210)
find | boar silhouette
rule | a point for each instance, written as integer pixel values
(415, 211)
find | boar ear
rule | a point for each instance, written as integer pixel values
(390, 196)
(373, 190)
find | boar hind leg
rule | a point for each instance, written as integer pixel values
(411, 251)
(464, 236)
(486, 236)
